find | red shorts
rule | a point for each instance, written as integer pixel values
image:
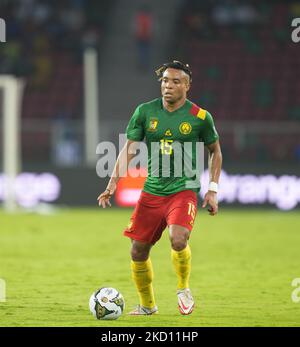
(153, 213)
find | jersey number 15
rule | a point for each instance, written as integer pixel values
(166, 146)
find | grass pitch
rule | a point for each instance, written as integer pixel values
(243, 263)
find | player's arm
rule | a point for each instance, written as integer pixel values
(121, 166)
(214, 167)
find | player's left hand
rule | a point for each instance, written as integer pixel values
(211, 199)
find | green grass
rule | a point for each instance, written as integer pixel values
(242, 268)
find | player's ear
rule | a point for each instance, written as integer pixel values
(187, 85)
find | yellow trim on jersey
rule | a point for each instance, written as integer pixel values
(201, 114)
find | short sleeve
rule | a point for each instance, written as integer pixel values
(135, 128)
(209, 134)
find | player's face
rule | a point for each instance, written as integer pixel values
(174, 85)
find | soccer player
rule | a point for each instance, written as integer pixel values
(167, 201)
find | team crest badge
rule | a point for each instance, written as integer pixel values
(153, 125)
(185, 128)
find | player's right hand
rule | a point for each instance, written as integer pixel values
(103, 198)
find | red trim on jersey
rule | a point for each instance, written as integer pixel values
(194, 110)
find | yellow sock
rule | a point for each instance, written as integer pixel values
(142, 274)
(182, 265)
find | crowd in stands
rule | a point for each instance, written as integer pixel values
(244, 62)
(37, 30)
(245, 66)
(44, 46)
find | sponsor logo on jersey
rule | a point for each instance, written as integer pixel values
(168, 133)
(185, 128)
(153, 124)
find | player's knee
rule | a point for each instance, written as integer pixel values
(139, 253)
(179, 237)
(178, 244)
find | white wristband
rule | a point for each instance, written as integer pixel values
(213, 186)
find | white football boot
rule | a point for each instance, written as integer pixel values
(143, 311)
(186, 302)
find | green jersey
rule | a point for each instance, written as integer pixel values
(171, 139)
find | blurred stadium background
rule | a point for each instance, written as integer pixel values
(84, 65)
(245, 72)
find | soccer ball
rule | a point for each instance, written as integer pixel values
(107, 303)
